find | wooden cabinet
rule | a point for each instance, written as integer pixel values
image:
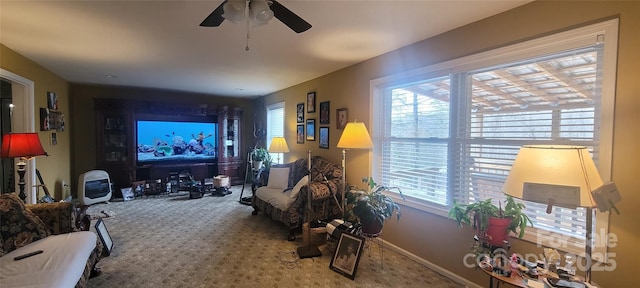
(116, 141)
(115, 145)
(230, 161)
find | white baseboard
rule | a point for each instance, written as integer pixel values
(453, 276)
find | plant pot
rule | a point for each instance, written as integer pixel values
(497, 231)
(372, 227)
(256, 165)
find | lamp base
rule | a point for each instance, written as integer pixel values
(308, 252)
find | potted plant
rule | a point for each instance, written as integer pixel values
(492, 223)
(371, 207)
(260, 157)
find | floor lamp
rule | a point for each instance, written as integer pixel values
(24, 146)
(557, 175)
(278, 145)
(309, 250)
(354, 136)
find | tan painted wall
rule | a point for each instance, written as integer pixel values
(56, 167)
(436, 238)
(428, 236)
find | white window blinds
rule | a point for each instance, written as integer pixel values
(451, 131)
(275, 125)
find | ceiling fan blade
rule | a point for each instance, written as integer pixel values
(289, 18)
(215, 18)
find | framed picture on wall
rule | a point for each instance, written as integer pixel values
(52, 101)
(311, 102)
(300, 134)
(300, 113)
(54, 138)
(324, 112)
(311, 129)
(324, 137)
(56, 120)
(45, 120)
(341, 118)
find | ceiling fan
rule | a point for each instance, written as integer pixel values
(262, 10)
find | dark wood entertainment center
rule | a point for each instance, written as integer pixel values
(116, 150)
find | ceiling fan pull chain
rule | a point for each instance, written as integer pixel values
(246, 48)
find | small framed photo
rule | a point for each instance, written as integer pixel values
(101, 229)
(345, 259)
(300, 113)
(341, 118)
(324, 112)
(324, 137)
(52, 101)
(311, 102)
(56, 120)
(54, 138)
(300, 134)
(45, 119)
(311, 129)
(127, 193)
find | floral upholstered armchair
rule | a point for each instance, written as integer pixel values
(289, 206)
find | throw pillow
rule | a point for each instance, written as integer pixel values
(296, 189)
(278, 178)
(19, 225)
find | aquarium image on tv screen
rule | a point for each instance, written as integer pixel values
(176, 141)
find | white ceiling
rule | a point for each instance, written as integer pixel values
(159, 44)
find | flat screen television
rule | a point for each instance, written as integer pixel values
(177, 141)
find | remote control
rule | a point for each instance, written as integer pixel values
(27, 255)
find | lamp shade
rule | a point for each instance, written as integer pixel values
(234, 10)
(278, 145)
(355, 136)
(565, 175)
(260, 12)
(25, 145)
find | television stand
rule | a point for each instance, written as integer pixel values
(164, 171)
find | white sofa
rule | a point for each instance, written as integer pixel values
(61, 263)
(68, 255)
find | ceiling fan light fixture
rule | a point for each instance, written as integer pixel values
(260, 12)
(234, 10)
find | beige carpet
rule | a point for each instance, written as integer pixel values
(174, 241)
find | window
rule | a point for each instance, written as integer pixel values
(275, 126)
(451, 131)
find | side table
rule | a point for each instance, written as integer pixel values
(518, 281)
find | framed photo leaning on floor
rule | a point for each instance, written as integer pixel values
(347, 256)
(104, 236)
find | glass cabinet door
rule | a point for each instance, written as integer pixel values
(229, 121)
(114, 138)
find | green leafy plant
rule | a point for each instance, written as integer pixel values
(477, 215)
(371, 206)
(261, 154)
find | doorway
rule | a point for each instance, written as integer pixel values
(21, 119)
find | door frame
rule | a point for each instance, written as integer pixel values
(23, 120)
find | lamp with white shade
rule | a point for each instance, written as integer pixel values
(354, 136)
(557, 175)
(278, 145)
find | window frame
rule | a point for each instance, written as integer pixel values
(604, 32)
(269, 133)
